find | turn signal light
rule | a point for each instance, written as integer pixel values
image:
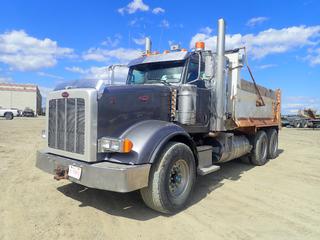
(127, 145)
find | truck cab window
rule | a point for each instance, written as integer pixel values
(193, 68)
(137, 77)
(193, 71)
(169, 72)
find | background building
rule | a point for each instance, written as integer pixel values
(20, 96)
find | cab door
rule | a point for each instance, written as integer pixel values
(194, 75)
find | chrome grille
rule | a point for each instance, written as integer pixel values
(66, 124)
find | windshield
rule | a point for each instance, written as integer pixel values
(169, 72)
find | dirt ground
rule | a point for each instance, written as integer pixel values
(280, 200)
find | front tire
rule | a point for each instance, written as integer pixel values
(171, 179)
(8, 116)
(258, 155)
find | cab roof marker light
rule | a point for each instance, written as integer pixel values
(200, 46)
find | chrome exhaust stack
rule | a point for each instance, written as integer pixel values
(148, 45)
(220, 90)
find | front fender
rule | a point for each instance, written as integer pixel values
(148, 137)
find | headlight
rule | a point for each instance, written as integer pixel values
(114, 145)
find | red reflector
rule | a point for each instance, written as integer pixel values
(65, 94)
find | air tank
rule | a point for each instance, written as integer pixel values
(187, 104)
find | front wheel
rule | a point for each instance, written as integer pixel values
(8, 116)
(171, 179)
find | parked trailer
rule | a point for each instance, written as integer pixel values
(305, 118)
(296, 121)
(180, 115)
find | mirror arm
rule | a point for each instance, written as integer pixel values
(199, 70)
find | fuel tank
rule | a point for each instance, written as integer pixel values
(119, 107)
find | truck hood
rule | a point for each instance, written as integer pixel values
(120, 107)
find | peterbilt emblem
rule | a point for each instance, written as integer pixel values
(65, 94)
(144, 98)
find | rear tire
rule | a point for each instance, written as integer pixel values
(258, 155)
(8, 116)
(302, 123)
(272, 143)
(171, 179)
(297, 124)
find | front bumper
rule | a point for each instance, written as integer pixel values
(101, 175)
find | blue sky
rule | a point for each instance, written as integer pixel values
(46, 42)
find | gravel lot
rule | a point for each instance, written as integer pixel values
(280, 200)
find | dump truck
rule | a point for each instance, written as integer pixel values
(180, 115)
(310, 117)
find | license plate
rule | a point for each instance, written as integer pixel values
(74, 172)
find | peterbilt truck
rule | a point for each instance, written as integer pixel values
(180, 115)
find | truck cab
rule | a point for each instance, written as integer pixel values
(180, 115)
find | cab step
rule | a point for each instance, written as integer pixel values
(206, 170)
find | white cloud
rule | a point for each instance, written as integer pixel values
(295, 103)
(91, 73)
(206, 30)
(139, 41)
(5, 79)
(134, 6)
(43, 74)
(76, 70)
(112, 41)
(97, 73)
(118, 54)
(23, 52)
(255, 21)
(266, 42)
(158, 10)
(165, 23)
(101, 73)
(135, 22)
(95, 54)
(313, 57)
(266, 66)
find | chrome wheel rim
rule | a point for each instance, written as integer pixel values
(178, 178)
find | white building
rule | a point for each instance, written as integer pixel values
(20, 96)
